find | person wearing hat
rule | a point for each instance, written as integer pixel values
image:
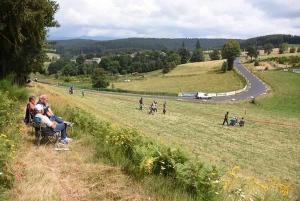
(46, 122)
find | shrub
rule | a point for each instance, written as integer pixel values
(256, 63)
(224, 67)
(67, 79)
(266, 68)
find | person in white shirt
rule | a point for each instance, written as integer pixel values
(46, 122)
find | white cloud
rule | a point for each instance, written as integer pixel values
(177, 18)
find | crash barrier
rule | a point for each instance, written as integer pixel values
(230, 93)
(292, 70)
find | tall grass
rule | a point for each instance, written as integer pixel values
(10, 125)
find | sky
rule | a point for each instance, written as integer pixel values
(176, 18)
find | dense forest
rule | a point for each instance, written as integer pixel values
(275, 40)
(74, 47)
(70, 48)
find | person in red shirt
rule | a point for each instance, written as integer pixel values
(30, 110)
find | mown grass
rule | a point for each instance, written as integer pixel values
(257, 148)
(191, 78)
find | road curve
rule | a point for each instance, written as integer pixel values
(257, 88)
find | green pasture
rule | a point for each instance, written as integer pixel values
(191, 78)
(279, 55)
(257, 148)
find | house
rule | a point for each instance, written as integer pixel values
(90, 61)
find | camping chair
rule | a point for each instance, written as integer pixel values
(45, 133)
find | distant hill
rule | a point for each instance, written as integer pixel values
(73, 47)
(80, 46)
(275, 39)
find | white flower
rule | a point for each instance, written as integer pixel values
(217, 181)
(243, 196)
(1, 173)
(251, 199)
(217, 193)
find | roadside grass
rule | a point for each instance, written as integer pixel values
(284, 94)
(279, 55)
(257, 147)
(190, 78)
(45, 174)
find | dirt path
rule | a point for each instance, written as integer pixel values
(45, 174)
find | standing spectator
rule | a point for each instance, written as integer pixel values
(165, 107)
(141, 103)
(226, 118)
(242, 122)
(82, 94)
(155, 106)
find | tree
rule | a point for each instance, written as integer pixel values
(224, 67)
(184, 54)
(230, 51)
(197, 46)
(104, 63)
(215, 55)
(99, 78)
(284, 47)
(89, 56)
(298, 49)
(175, 57)
(80, 59)
(24, 26)
(252, 52)
(268, 48)
(197, 55)
(292, 50)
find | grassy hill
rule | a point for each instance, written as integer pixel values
(191, 78)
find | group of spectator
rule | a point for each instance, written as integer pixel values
(233, 121)
(48, 119)
(153, 107)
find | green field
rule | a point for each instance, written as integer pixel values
(192, 77)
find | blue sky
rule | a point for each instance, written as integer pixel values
(176, 18)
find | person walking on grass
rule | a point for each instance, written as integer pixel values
(141, 104)
(165, 107)
(226, 118)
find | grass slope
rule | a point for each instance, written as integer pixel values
(192, 77)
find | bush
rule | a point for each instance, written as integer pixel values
(266, 68)
(224, 67)
(256, 63)
(67, 79)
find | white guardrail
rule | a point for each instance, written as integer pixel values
(230, 93)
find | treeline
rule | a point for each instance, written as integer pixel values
(71, 48)
(137, 62)
(276, 40)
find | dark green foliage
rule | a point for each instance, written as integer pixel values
(281, 51)
(252, 52)
(175, 57)
(298, 49)
(268, 48)
(224, 67)
(99, 78)
(184, 54)
(292, 50)
(75, 47)
(256, 63)
(23, 31)
(230, 51)
(166, 68)
(80, 59)
(215, 55)
(275, 40)
(197, 55)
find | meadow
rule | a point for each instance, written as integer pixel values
(188, 78)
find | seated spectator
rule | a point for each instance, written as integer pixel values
(48, 112)
(233, 121)
(55, 126)
(242, 122)
(29, 110)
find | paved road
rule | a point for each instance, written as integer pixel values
(257, 88)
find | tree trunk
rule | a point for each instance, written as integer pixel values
(2, 65)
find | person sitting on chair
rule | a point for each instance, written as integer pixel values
(48, 112)
(242, 122)
(56, 127)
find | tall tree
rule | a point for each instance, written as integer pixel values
(230, 51)
(99, 78)
(268, 48)
(184, 54)
(198, 46)
(23, 29)
(197, 55)
(252, 52)
(215, 55)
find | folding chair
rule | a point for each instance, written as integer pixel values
(45, 133)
